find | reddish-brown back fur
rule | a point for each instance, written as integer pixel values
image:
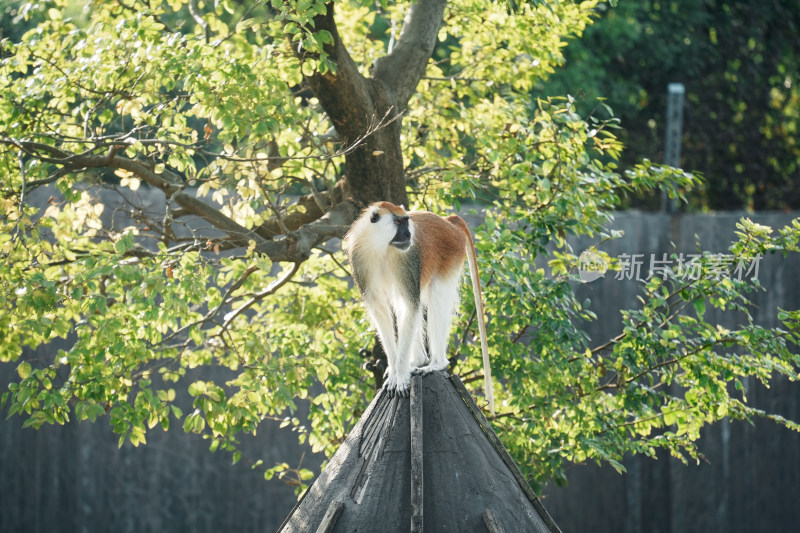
(441, 243)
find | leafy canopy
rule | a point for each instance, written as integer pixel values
(172, 196)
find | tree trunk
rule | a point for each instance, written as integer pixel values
(369, 111)
(374, 171)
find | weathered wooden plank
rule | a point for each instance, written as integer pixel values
(387, 428)
(376, 437)
(492, 522)
(331, 516)
(416, 455)
(372, 429)
(503, 453)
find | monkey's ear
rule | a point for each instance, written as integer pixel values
(375, 217)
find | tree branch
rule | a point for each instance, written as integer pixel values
(344, 96)
(295, 247)
(303, 212)
(195, 13)
(307, 209)
(405, 65)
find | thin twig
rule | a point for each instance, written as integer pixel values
(271, 289)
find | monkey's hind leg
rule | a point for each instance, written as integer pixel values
(420, 350)
(441, 304)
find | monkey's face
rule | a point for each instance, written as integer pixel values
(386, 225)
(397, 225)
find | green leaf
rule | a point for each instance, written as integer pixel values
(699, 305)
(24, 370)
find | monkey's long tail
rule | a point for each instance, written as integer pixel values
(476, 292)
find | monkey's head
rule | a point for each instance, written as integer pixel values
(381, 225)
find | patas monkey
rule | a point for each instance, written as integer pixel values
(408, 265)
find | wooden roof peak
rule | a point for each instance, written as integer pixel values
(426, 463)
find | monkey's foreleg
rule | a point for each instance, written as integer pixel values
(382, 318)
(408, 331)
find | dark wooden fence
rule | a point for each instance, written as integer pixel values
(75, 478)
(749, 479)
